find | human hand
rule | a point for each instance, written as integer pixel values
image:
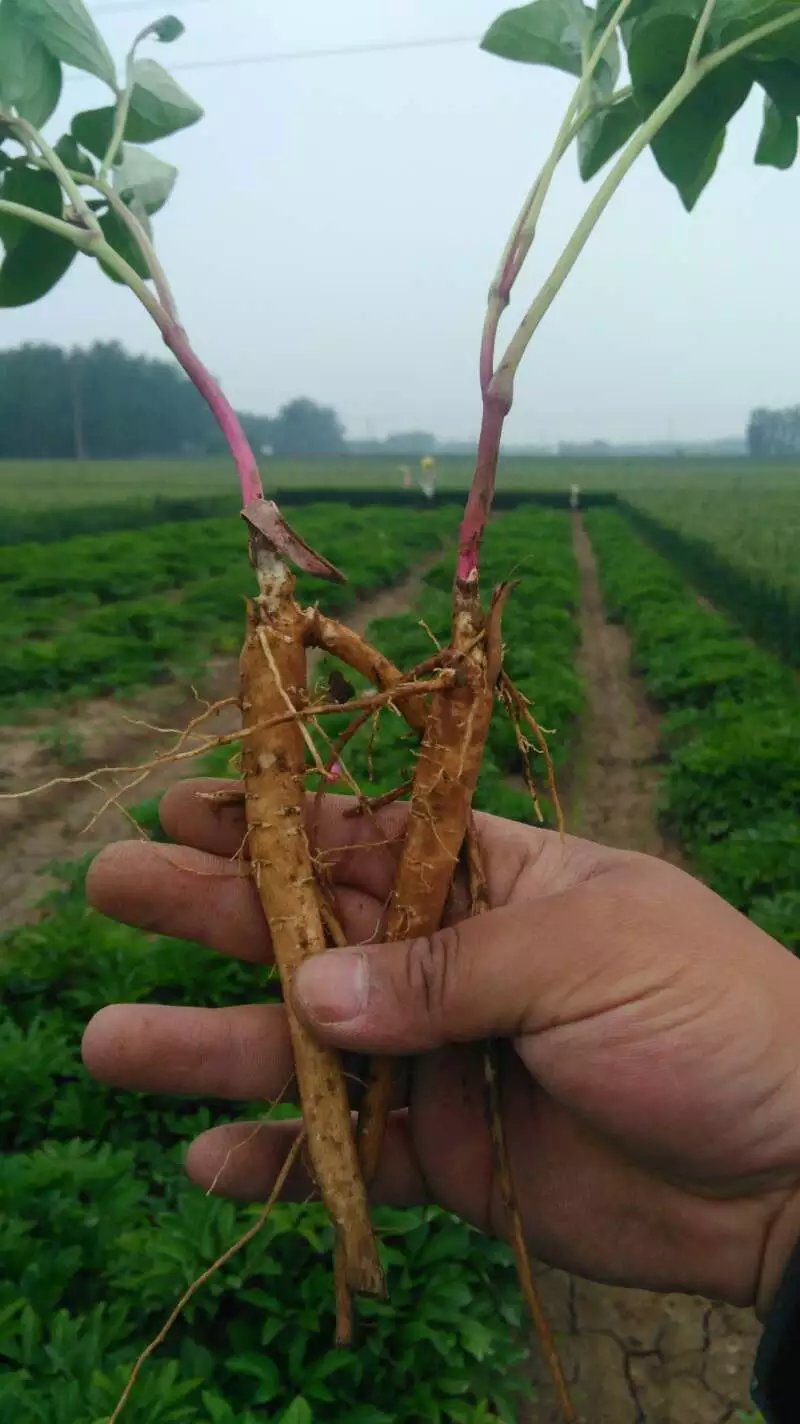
(652, 1073)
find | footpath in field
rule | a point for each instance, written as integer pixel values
(633, 1357)
(50, 827)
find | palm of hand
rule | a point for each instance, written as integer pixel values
(650, 1078)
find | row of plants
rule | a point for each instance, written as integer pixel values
(58, 522)
(131, 608)
(101, 1232)
(731, 783)
(351, 484)
(740, 551)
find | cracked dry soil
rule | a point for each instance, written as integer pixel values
(632, 1357)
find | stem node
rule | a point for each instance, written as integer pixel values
(500, 391)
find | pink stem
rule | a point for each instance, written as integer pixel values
(479, 503)
(489, 338)
(496, 406)
(228, 421)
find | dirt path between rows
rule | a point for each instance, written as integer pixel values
(632, 1357)
(52, 826)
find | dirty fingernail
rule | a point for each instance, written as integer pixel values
(333, 988)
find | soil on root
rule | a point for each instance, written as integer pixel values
(52, 826)
(632, 1357)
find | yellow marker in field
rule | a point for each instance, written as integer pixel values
(427, 479)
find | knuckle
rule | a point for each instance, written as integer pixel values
(651, 884)
(431, 971)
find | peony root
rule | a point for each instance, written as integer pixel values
(273, 761)
(441, 804)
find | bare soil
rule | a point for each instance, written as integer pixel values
(57, 824)
(632, 1357)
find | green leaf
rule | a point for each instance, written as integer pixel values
(734, 18)
(72, 156)
(121, 239)
(689, 145)
(607, 71)
(92, 128)
(476, 1337)
(777, 146)
(604, 134)
(297, 1413)
(30, 77)
(159, 107)
(35, 259)
(737, 15)
(781, 79)
(608, 68)
(159, 103)
(67, 30)
(551, 32)
(142, 180)
(606, 9)
(658, 45)
(783, 45)
(34, 188)
(558, 33)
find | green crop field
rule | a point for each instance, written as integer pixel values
(48, 485)
(113, 611)
(447, 1347)
(731, 787)
(519, 1024)
(102, 1231)
(46, 501)
(741, 548)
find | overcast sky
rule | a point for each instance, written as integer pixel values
(337, 221)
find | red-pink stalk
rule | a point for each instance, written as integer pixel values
(228, 421)
(496, 405)
(495, 409)
(497, 393)
(498, 301)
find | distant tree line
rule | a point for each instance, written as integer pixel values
(103, 403)
(774, 432)
(405, 442)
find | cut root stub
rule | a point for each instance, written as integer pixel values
(273, 758)
(353, 650)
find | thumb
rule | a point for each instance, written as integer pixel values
(503, 974)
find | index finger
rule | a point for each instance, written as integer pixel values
(360, 851)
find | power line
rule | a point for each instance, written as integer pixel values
(289, 55)
(286, 56)
(123, 5)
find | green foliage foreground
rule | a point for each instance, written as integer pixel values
(100, 1230)
(101, 1233)
(131, 608)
